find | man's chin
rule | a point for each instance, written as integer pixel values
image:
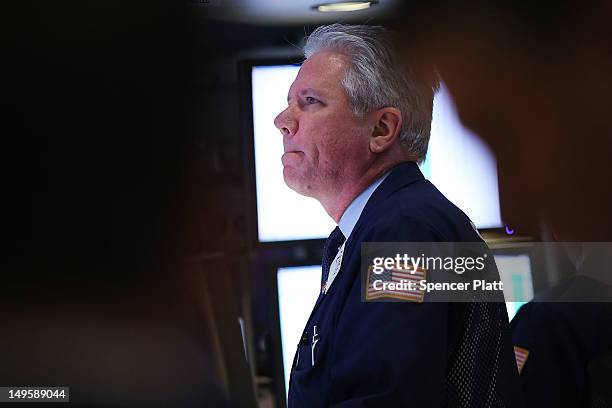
(296, 183)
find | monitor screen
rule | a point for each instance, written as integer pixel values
(298, 288)
(458, 163)
(515, 273)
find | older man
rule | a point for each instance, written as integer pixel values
(355, 127)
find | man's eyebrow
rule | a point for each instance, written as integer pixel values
(307, 91)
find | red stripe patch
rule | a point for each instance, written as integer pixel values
(521, 355)
(398, 276)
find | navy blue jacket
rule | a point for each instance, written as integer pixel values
(565, 340)
(403, 353)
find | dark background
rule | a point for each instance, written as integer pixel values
(122, 160)
(122, 148)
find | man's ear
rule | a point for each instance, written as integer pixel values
(386, 129)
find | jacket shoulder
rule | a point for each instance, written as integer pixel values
(418, 212)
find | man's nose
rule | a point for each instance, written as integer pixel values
(286, 122)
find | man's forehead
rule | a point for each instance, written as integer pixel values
(322, 72)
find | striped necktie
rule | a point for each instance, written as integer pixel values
(336, 238)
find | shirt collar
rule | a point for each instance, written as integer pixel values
(353, 211)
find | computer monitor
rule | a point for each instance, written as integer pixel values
(515, 273)
(458, 163)
(297, 288)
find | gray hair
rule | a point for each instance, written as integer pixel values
(375, 79)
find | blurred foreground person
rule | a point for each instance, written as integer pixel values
(535, 83)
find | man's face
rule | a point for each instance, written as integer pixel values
(324, 142)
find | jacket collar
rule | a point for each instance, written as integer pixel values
(400, 176)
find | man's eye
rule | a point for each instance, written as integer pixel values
(310, 100)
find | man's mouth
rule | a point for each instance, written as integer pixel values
(290, 155)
